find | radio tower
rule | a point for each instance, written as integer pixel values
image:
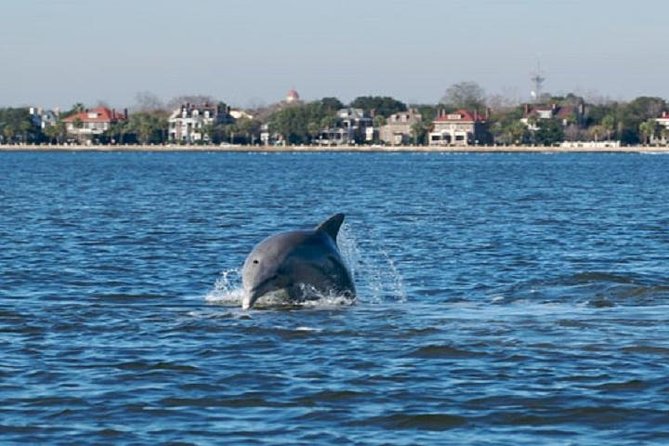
(537, 82)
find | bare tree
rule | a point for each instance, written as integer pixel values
(145, 101)
(191, 99)
(467, 95)
(502, 102)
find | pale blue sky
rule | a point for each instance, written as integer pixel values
(246, 52)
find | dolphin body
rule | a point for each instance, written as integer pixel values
(302, 264)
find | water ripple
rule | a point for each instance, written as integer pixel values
(503, 299)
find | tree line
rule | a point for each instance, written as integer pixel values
(630, 122)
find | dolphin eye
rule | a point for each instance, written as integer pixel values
(255, 261)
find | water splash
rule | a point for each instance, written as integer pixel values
(227, 289)
(374, 273)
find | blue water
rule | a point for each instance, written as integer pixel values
(503, 299)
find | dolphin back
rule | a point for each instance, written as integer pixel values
(305, 264)
(331, 226)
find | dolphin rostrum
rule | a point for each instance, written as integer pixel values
(304, 265)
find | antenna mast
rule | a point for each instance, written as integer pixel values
(537, 82)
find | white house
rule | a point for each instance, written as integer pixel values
(663, 122)
(188, 124)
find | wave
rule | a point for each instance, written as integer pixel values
(598, 289)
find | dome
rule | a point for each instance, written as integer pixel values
(292, 96)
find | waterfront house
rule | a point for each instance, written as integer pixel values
(353, 126)
(663, 122)
(189, 123)
(459, 128)
(269, 137)
(399, 127)
(565, 114)
(43, 118)
(89, 125)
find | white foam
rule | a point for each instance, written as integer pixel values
(227, 289)
(376, 277)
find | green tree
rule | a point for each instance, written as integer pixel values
(56, 133)
(247, 130)
(379, 121)
(313, 129)
(645, 107)
(518, 133)
(427, 112)
(630, 116)
(296, 123)
(328, 121)
(219, 132)
(507, 127)
(648, 130)
(550, 132)
(609, 125)
(332, 104)
(597, 132)
(419, 132)
(117, 132)
(379, 105)
(148, 127)
(76, 108)
(16, 125)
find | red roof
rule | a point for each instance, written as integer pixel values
(100, 114)
(565, 112)
(459, 116)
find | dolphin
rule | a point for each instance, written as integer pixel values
(301, 264)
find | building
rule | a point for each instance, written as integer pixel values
(460, 128)
(43, 118)
(293, 97)
(89, 125)
(240, 114)
(663, 123)
(565, 114)
(189, 123)
(399, 127)
(354, 126)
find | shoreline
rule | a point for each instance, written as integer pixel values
(333, 149)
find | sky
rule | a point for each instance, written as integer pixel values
(54, 53)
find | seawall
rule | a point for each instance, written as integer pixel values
(361, 149)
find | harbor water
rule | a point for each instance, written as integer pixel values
(502, 299)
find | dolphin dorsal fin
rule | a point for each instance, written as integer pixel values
(331, 225)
